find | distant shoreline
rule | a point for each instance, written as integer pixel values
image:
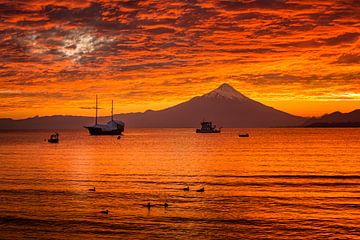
(334, 125)
(315, 125)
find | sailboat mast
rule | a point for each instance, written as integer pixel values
(96, 107)
(112, 110)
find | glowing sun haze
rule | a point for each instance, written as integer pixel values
(299, 56)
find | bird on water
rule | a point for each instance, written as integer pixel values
(201, 190)
(186, 188)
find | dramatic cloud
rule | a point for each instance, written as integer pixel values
(349, 59)
(56, 55)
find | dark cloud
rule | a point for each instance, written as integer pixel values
(152, 65)
(311, 80)
(12, 94)
(261, 4)
(160, 30)
(61, 13)
(348, 59)
(337, 40)
(343, 38)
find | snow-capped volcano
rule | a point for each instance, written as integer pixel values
(226, 91)
(224, 106)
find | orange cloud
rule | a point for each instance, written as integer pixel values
(56, 55)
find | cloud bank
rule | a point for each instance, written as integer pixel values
(155, 53)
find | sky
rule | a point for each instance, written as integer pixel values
(298, 56)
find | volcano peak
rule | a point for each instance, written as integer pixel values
(225, 90)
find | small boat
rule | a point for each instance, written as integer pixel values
(113, 127)
(105, 211)
(244, 135)
(207, 127)
(54, 138)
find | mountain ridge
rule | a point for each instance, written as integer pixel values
(335, 119)
(225, 106)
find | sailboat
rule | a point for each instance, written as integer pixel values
(113, 127)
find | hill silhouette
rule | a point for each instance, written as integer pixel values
(224, 106)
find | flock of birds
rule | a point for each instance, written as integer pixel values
(148, 205)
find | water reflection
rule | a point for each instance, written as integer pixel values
(278, 183)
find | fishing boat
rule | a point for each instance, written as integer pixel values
(113, 127)
(244, 135)
(54, 138)
(207, 127)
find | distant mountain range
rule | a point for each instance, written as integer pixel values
(336, 119)
(224, 106)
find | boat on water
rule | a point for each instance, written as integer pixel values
(208, 127)
(54, 138)
(113, 127)
(244, 135)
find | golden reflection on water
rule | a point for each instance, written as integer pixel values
(278, 183)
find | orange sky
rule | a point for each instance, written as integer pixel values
(298, 56)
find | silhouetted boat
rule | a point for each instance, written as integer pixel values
(207, 127)
(104, 211)
(113, 127)
(54, 138)
(244, 135)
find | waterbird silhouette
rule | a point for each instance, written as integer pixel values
(201, 190)
(165, 205)
(92, 189)
(118, 137)
(186, 188)
(105, 211)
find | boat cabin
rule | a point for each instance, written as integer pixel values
(207, 127)
(54, 138)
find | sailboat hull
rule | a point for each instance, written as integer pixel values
(113, 127)
(98, 131)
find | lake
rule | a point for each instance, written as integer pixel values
(276, 184)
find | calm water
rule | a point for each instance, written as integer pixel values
(279, 183)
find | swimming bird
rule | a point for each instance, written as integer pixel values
(92, 189)
(105, 211)
(186, 189)
(118, 137)
(165, 205)
(201, 190)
